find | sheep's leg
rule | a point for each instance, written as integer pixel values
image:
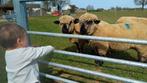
(82, 43)
(78, 47)
(98, 62)
(139, 56)
(101, 49)
(81, 46)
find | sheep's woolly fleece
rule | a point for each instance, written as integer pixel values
(66, 19)
(132, 20)
(88, 16)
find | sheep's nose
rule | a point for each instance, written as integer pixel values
(64, 29)
(82, 29)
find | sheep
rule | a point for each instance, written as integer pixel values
(66, 23)
(69, 25)
(120, 30)
(86, 20)
(132, 19)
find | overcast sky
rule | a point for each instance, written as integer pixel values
(104, 3)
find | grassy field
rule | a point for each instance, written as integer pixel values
(45, 24)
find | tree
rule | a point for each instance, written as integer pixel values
(90, 7)
(141, 2)
(58, 4)
(73, 8)
(62, 3)
(45, 4)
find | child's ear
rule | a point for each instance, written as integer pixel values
(18, 40)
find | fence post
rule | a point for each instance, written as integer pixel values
(21, 13)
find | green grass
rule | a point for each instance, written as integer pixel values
(2, 67)
(112, 16)
(3, 77)
(45, 24)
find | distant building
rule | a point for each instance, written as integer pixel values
(54, 7)
(34, 9)
(6, 10)
(58, 5)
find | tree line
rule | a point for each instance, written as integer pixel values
(141, 3)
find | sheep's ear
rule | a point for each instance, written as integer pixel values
(57, 22)
(76, 21)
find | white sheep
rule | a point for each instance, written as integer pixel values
(132, 19)
(120, 30)
(69, 25)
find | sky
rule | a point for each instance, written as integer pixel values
(106, 4)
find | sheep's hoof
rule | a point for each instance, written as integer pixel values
(99, 63)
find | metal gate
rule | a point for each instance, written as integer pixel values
(21, 19)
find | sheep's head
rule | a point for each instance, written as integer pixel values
(66, 23)
(88, 23)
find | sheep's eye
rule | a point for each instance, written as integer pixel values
(96, 21)
(61, 23)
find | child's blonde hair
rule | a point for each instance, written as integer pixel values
(9, 33)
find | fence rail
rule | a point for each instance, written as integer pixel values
(92, 72)
(118, 61)
(106, 39)
(57, 78)
(21, 19)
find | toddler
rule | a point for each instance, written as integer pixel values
(21, 60)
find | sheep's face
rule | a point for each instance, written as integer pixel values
(88, 23)
(66, 27)
(67, 24)
(88, 26)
